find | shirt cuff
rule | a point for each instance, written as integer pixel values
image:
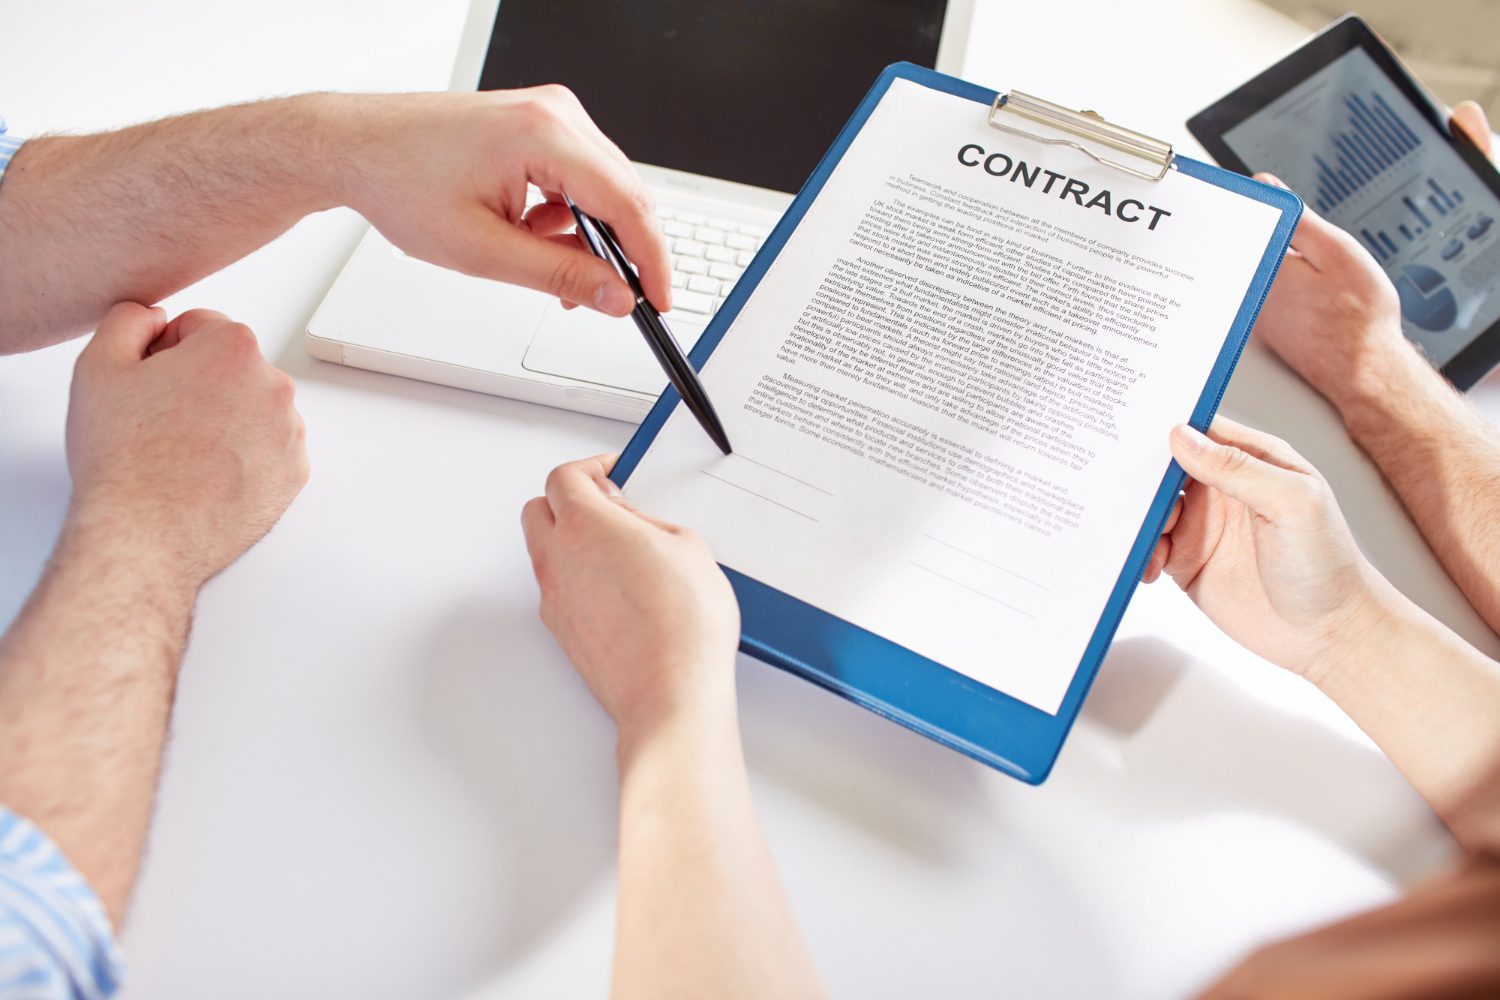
(56, 942)
(8, 146)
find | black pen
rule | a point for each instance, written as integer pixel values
(601, 240)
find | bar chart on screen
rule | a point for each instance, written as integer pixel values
(1367, 159)
(1373, 140)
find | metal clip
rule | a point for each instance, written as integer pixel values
(1088, 125)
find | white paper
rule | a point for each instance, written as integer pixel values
(948, 415)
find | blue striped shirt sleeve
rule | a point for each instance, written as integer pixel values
(55, 937)
(8, 147)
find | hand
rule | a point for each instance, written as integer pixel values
(1333, 316)
(639, 606)
(182, 435)
(444, 177)
(1259, 544)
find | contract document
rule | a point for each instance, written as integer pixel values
(950, 391)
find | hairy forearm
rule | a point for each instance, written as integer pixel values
(135, 215)
(87, 674)
(1443, 459)
(1430, 701)
(702, 909)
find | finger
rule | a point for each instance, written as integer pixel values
(493, 248)
(1159, 557)
(585, 486)
(616, 194)
(1172, 517)
(569, 241)
(1470, 117)
(1233, 471)
(537, 523)
(1197, 535)
(584, 483)
(1319, 241)
(549, 218)
(189, 324)
(1266, 447)
(126, 332)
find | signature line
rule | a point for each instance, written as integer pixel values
(974, 590)
(1002, 569)
(788, 475)
(767, 499)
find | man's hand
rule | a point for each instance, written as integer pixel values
(1332, 314)
(1259, 544)
(137, 214)
(444, 177)
(182, 436)
(184, 449)
(639, 606)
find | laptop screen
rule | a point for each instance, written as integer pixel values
(748, 92)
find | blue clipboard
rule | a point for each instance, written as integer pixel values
(888, 679)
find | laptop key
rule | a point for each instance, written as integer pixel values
(739, 241)
(720, 255)
(744, 258)
(690, 265)
(688, 248)
(693, 302)
(676, 228)
(724, 272)
(698, 283)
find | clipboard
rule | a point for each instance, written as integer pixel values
(876, 673)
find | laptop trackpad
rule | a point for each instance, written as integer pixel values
(591, 347)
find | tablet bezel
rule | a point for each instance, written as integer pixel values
(1482, 354)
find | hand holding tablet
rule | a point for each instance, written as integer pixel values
(1343, 124)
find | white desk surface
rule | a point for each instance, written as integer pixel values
(386, 782)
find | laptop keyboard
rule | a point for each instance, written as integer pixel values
(709, 253)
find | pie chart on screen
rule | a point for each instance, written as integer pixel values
(1426, 299)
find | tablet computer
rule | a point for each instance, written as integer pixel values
(1343, 124)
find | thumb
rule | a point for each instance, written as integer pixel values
(126, 332)
(1469, 117)
(1319, 241)
(496, 249)
(1232, 471)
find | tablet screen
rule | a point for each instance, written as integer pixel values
(1357, 151)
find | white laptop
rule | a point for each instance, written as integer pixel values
(725, 107)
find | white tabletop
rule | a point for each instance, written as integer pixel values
(385, 780)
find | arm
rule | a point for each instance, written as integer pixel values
(1334, 317)
(184, 449)
(1259, 544)
(134, 215)
(651, 623)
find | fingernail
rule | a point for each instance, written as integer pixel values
(613, 299)
(1190, 436)
(610, 489)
